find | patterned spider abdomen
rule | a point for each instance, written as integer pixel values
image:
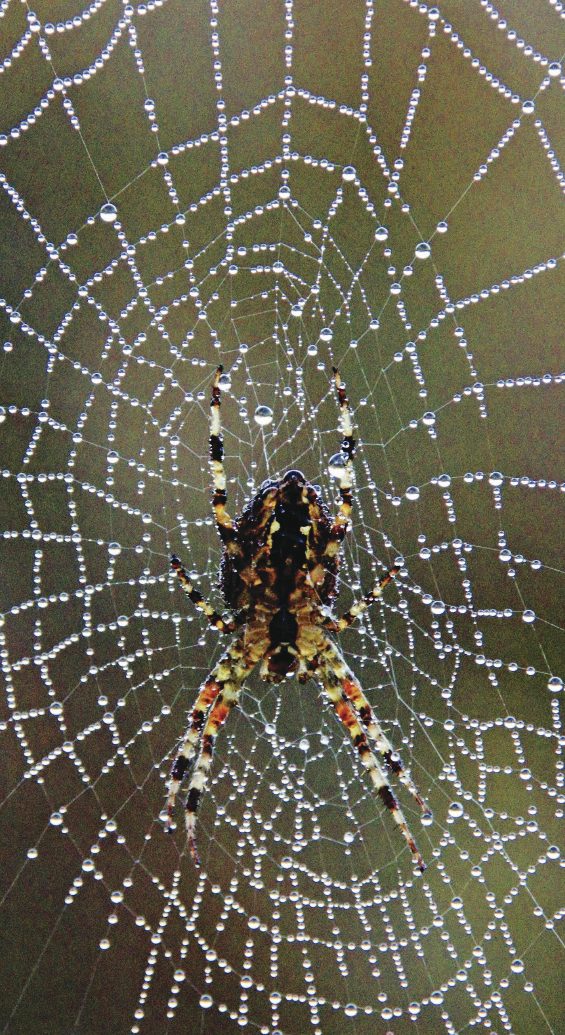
(285, 554)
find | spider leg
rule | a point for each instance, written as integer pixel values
(344, 474)
(215, 619)
(218, 695)
(346, 714)
(354, 693)
(223, 521)
(339, 624)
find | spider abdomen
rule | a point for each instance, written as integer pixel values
(284, 558)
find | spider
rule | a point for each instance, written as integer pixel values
(278, 577)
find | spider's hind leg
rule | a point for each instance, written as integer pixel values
(223, 520)
(346, 714)
(343, 471)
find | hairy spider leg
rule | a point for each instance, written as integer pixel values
(346, 474)
(346, 714)
(215, 619)
(208, 694)
(339, 624)
(354, 692)
(221, 690)
(219, 500)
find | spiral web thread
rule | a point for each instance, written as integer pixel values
(177, 195)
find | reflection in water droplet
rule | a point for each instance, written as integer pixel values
(429, 418)
(517, 966)
(412, 492)
(349, 173)
(114, 549)
(381, 233)
(423, 250)
(555, 684)
(337, 465)
(108, 213)
(206, 1001)
(455, 810)
(263, 415)
(529, 616)
(326, 334)
(225, 382)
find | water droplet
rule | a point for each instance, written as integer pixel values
(438, 607)
(56, 819)
(350, 1010)
(412, 492)
(429, 418)
(436, 998)
(555, 684)
(206, 1001)
(442, 227)
(517, 966)
(426, 819)
(528, 107)
(263, 415)
(114, 549)
(444, 481)
(349, 173)
(179, 975)
(304, 745)
(348, 837)
(457, 903)
(381, 233)
(2, 414)
(104, 943)
(113, 457)
(312, 350)
(455, 810)
(554, 69)
(32, 853)
(284, 192)
(496, 478)
(225, 382)
(270, 730)
(553, 852)
(296, 310)
(278, 266)
(422, 250)
(108, 213)
(326, 334)
(337, 465)
(529, 616)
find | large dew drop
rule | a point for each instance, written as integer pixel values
(337, 465)
(108, 213)
(263, 415)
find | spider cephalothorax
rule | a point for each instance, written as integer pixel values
(278, 577)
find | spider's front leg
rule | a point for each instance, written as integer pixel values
(354, 693)
(346, 714)
(218, 695)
